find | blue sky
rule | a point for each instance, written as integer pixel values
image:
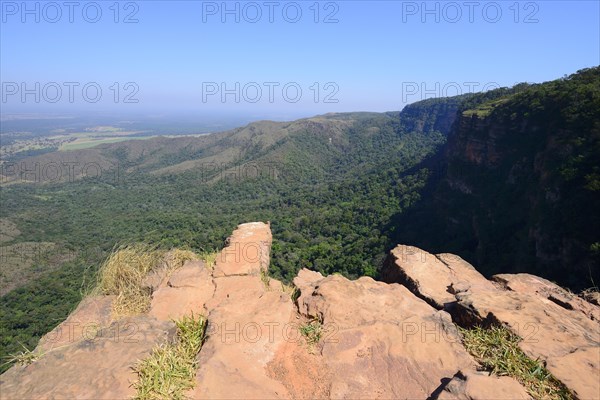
(372, 56)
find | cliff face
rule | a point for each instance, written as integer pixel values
(326, 337)
(431, 115)
(520, 182)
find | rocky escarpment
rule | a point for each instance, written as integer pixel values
(519, 183)
(325, 337)
(431, 115)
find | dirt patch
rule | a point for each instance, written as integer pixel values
(304, 374)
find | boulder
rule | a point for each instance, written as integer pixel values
(555, 326)
(186, 291)
(98, 367)
(434, 278)
(379, 340)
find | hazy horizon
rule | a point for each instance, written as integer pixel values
(280, 60)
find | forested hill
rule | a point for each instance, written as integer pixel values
(521, 183)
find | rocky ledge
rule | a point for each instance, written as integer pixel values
(392, 339)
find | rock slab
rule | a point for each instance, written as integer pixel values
(556, 326)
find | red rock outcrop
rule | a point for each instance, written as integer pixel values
(380, 340)
(247, 316)
(97, 366)
(434, 278)
(373, 339)
(560, 328)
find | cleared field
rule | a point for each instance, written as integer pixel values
(86, 143)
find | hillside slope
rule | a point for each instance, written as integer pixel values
(321, 147)
(287, 171)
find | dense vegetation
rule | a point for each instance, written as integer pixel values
(33, 310)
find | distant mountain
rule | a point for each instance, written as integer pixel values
(520, 183)
(323, 146)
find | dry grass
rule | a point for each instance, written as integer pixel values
(175, 258)
(24, 357)
(291, 290)
(171, 368)
(265, 279)
(209, 258)
(123, 274)
(591, 295)
(496, 348)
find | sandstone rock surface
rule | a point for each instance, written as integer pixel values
(97, 367)
(247, 315)
(526, 283)
(372, 340)
(481, 386)
(380, 341)
(558, 327)
(90, 316)
(186, 291)
(434, 278)
(248, 251)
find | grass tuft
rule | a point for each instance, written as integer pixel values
(295, 294)
(496, 348)
(171, 368)
(209, 258)
(312, 332)
(591, 295)
(291, 290)
(123, 274)
(265, 279)
(175, 258)
(24, 357)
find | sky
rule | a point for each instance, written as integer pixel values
(280, 59)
